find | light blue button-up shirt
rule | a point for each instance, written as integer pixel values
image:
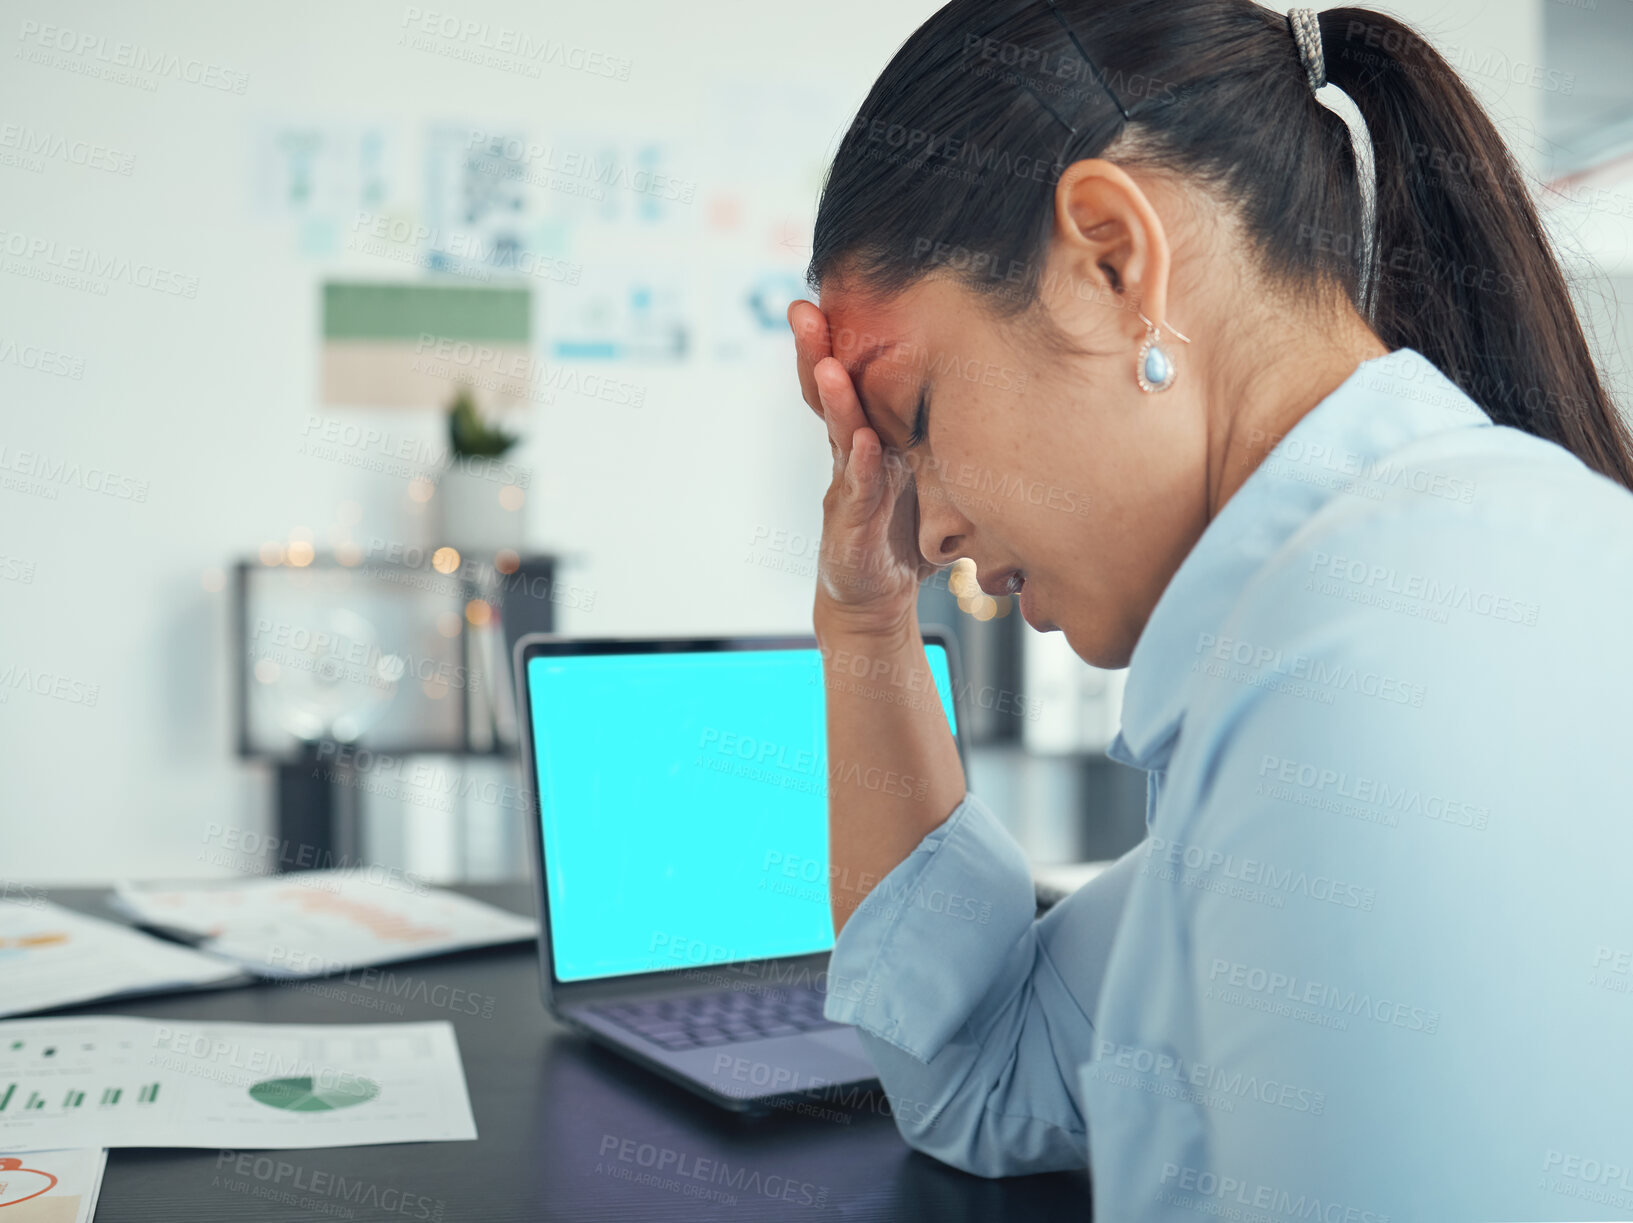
(1374, 959)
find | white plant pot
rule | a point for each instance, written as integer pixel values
(470, 509)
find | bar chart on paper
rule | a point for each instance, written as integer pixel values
(29, 1066)
(116, 1082)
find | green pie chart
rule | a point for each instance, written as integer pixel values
(303, 1095)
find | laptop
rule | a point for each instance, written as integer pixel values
(680, 855)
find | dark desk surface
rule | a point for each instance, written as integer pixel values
(553, 1112)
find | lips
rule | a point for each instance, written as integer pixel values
(1004, 582)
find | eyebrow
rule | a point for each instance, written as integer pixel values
(867, 360)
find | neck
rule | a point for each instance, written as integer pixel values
(1253, 403)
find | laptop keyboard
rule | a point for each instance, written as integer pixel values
(700, 1020)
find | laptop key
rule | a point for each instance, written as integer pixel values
(662, 1034)
(706, 1020)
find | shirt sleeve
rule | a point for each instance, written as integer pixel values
(974, 1012)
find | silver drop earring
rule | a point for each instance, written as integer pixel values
(1154, 369)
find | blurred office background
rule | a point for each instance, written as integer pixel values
(233, 520)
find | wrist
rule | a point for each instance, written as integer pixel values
(838, 624)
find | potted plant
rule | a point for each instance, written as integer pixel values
(479, 494)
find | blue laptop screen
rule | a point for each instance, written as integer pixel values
(683, 799)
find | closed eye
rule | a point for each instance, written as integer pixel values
(921, 421)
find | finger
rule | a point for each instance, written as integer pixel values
(842, 410)
(900, 469)
(841, 456)
(811, 343)
(864, 474)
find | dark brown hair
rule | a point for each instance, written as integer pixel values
(952, 160)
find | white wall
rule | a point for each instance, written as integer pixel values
(205, 400)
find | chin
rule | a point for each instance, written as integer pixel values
(1095, 649)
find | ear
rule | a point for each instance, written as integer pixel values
(1111, 236)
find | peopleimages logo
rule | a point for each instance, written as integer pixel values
(41, 146)
(1608, 1174)
(41, 360)
(336, 657)
(1393, 799)
(1257, 873)
(1439, 593)
(15, 678)
(52, 473)
(1229, 975)
(1147, 1068)
(484, 44)
(802, 768)
(587, 166)
(84, 267)
(267, 1178)
(688, 1172)
(1261, 662)
(1368, 475)
(96, 49)
(1215, 1193)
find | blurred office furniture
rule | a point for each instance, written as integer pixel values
(346, 661)
(527, 599)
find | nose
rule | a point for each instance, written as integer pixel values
(944, 532)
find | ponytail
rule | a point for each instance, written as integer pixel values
(1466, 273)
(951, 163)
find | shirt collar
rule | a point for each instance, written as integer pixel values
(1385, 403)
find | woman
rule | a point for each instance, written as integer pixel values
(1230, 342)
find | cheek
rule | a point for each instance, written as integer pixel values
(1056, 539)
(1052, 505)
(1057, 497)
(964, 485)
(1000, 463)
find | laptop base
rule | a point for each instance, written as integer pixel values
(749, 1076)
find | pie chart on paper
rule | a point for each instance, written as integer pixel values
(305, 1095)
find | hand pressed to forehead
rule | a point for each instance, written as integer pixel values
(824, 382)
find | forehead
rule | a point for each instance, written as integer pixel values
(889, 338)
